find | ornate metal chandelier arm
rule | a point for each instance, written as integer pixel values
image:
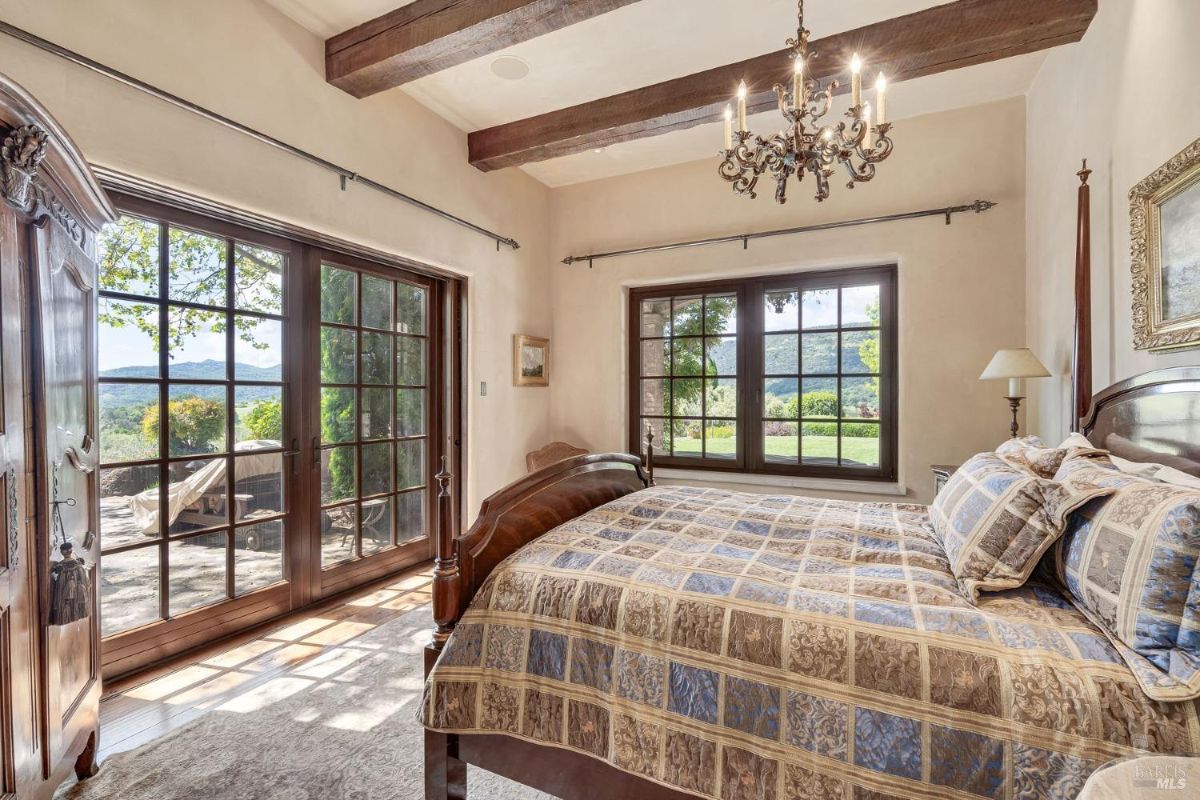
(785, 107)
(742, 178)
(820, 100)
(742, 155)
(820, 169)
(858, 174)
(742, 165)
(880, 150)
(854, 137)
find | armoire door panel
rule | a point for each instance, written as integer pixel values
(66, 303)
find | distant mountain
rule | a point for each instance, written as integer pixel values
(131, 394)
(191, 370)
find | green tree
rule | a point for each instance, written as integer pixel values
(718, 313)
(195, 424)
(868, 350)
(196, 273)
(264, 420)
(337, 351)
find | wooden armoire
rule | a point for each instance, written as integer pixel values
(51, 210)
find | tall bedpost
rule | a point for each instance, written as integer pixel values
(447, 576)
(1081, 360)
(445, 773)
(650, 456)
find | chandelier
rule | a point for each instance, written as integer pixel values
(807, 145)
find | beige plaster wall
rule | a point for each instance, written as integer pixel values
(961, 287)
(245, 60)
(1125, 98)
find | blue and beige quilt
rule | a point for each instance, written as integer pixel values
(751, 647)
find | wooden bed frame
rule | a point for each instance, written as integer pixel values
(1155, 414)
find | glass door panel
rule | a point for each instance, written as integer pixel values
(374, 364)
(194, 488)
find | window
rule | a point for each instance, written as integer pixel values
(193, 504)
(791, 374)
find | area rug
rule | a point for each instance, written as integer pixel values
(340, 727)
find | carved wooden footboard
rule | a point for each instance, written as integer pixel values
(509, 519)
(515, 516)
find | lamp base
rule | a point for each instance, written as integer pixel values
(1015, 404)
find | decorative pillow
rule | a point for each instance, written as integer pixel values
(1128, 561)
(995, 520)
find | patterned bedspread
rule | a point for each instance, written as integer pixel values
(750, 647)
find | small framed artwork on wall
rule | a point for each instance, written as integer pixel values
(1164, 228)
(531, 360)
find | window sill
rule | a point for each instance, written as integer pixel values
(892, 488)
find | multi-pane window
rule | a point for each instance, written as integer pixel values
(688, 363)
(790, 374)
(192, 489)
(374, 355)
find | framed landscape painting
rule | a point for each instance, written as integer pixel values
(1164, 223)
(531, 361)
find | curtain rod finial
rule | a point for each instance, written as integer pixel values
(1084, 173)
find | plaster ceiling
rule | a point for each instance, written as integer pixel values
(651, 41)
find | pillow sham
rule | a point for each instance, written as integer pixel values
(995, 520)
(1128, 562)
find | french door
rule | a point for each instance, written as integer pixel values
(268, 426)
(377, 348)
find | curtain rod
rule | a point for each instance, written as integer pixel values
(979, 206)
(343, 173)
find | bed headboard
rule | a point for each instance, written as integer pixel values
(1154, 416)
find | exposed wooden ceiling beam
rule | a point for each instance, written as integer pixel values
(938, 39)
(428, 36)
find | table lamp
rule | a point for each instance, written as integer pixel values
(1014, 364)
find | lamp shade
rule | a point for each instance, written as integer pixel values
(1016, 363)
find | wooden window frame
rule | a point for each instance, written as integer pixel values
(750, 292)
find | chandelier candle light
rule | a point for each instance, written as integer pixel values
(807, 145)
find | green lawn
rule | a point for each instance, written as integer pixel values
(860, 450)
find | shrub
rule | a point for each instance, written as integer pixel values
(265, 420)
(850, 430)
(819, 404)
(721, 432)
(195, 423)
(860, 430)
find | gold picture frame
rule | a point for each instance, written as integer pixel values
(1164, 229)
(531, 360)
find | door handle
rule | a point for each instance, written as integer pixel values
(295, 451)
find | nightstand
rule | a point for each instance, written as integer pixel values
(941, 474)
